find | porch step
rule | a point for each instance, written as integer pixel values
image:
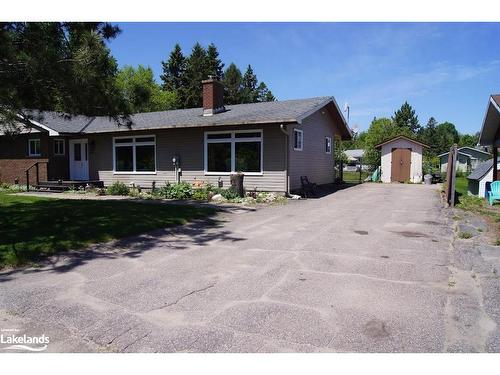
(53, 187)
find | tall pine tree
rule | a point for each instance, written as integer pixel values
(249, 86)
(196, 71)
(214, 65)
(174, 70)
(264, 94)
(57, 66)
(182, 75)
(405, 117)
(232, 85)
(429, 136)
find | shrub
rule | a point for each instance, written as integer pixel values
(201, 194)
(182, 190)
(118, 188)
(229, 193)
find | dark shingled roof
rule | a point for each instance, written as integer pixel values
(496, 98)
(287, 111)
(481, 170)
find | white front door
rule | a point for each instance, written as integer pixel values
(78, 159)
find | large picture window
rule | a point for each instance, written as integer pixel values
(238, 151)
(134, 154)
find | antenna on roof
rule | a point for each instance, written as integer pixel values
(347, 110)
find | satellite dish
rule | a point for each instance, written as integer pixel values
(346, 107)
(355, 129)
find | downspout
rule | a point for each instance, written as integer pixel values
(287, 163)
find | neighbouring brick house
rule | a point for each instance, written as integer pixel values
(272, 143)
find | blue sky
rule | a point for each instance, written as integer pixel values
(443, 70)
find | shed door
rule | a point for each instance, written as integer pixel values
(400, 165)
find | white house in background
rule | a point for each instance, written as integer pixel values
(468, 158)
(355, 160)
(479, 177)
(401, 160)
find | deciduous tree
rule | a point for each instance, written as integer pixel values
(141, 91)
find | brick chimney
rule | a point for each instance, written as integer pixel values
(213, 96)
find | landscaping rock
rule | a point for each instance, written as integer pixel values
(465, 228)
(295, 196)
(478, 224)
(218, 198)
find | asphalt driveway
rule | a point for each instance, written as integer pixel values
(363, 269)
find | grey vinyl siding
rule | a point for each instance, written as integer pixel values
(313, 161)
(188, 143)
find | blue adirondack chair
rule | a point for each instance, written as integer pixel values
(494, 193)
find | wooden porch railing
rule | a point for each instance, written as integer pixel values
(36, 165)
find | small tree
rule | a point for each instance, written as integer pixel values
(339, 152)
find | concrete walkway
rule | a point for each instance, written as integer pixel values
(363, 269)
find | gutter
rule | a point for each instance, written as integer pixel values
(287, 162)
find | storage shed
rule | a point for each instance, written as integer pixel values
(401, 159)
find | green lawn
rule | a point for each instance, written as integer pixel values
(461, 186)
(353, 177)
(32, 227)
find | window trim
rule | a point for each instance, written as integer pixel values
(39, 147)
(327, 138)
(301, 148)
(134, 144)
(233, 140)
(63, 147)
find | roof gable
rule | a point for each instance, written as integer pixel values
(401, 137)
(491, 121)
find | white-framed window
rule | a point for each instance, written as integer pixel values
(59, 147)
(298, 139)
(328, 145)
(134, 155)
(34, 147)
(234, 151)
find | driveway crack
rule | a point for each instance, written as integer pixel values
(184, 296)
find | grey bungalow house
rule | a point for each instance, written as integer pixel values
(468, 159)
(272, 143)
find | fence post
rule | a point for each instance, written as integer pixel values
(27, 180)
(453, 175)
(37, 174)
(450, 176)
